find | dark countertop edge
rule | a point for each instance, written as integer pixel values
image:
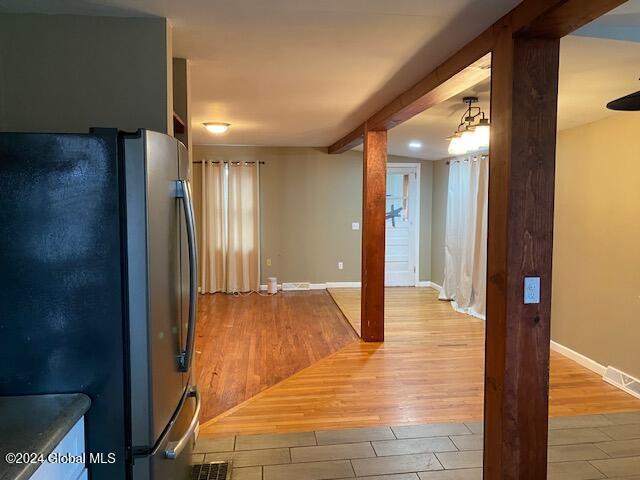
(79, 404)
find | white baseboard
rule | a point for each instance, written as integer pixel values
(428, 284)
(323, 286)
(343, 284)
(609, 374)
(578, 358)
(621, 380)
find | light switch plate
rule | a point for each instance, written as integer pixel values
(355, 226)
(531, 290)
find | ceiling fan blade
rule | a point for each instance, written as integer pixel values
(630, 103)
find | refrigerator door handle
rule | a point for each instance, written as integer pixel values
(183, 191)
(174, 449)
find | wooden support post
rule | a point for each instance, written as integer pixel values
(374, 187)
(524, 90)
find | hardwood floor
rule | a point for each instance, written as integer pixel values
(429, 369)
(247, 344)
(348, 300)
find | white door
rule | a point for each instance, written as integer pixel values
(401, 227)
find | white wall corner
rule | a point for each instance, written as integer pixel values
(435, 286)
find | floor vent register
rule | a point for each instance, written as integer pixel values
(211, 471)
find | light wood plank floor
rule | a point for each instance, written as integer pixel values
(247, 344)
(429, 369)
(348, 300)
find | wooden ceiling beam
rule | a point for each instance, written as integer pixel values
(350, 140)
(465, 68)
(445, 82)
(462, 71)
(555, 19)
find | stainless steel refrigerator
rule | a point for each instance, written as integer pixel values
(99, 288)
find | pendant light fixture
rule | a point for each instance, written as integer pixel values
(472, 133)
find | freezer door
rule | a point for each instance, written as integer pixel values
(154, 285)
(188, 263)
(171, 460)
(61, 316)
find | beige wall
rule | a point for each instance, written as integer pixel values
(439, 201)
(426, 213)
(596, 262)
(67, 73)
(308, 201)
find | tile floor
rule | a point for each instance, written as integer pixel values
(580, 448)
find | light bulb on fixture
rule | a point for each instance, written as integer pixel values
(217, 127)
(469, 140)
(456, 145)
(482, 133)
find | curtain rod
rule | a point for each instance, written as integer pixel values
(225, 161)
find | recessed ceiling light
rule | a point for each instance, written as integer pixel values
(415, 144)
(217, 127)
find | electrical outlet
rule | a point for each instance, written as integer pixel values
(531, 290)
(340, 265)
(268, 262)
(355, 226)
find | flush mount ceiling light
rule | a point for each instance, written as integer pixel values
(217, 127)
(472, 133)
(415, 144)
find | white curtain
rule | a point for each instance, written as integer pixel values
(213, 231)
(230, 242)
(465, 265)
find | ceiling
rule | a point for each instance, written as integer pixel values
(305, 72)
(298, 72)
(593, 72)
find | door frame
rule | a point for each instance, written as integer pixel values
(416, 239)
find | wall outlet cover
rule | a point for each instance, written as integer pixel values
(531, 290)
(355, 226)
(340, 265)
